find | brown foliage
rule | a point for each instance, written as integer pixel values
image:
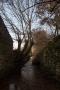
(40, 40)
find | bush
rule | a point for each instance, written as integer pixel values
(49, 58)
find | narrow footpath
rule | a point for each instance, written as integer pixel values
(31, 78)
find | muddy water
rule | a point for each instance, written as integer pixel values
(31, 78)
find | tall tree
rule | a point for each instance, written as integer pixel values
(18, 19)
(40, 38)
(49, 12)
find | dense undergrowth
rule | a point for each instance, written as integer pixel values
(49, 58)
(12, 64)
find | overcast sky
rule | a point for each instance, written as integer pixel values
(35, 24)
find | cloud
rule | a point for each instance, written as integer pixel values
(3, 1)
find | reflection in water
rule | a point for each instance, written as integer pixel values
(30, 79)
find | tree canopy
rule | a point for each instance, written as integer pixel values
(49, 13)
(19, 16)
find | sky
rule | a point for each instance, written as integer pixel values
(35, 23)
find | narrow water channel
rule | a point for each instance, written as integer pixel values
(31, 78)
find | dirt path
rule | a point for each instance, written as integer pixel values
(31, 79)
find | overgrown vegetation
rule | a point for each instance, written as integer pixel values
(49, 58)
(24, 12)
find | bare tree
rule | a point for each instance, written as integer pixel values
(19, 20)
(49, 12)
(40, 38)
